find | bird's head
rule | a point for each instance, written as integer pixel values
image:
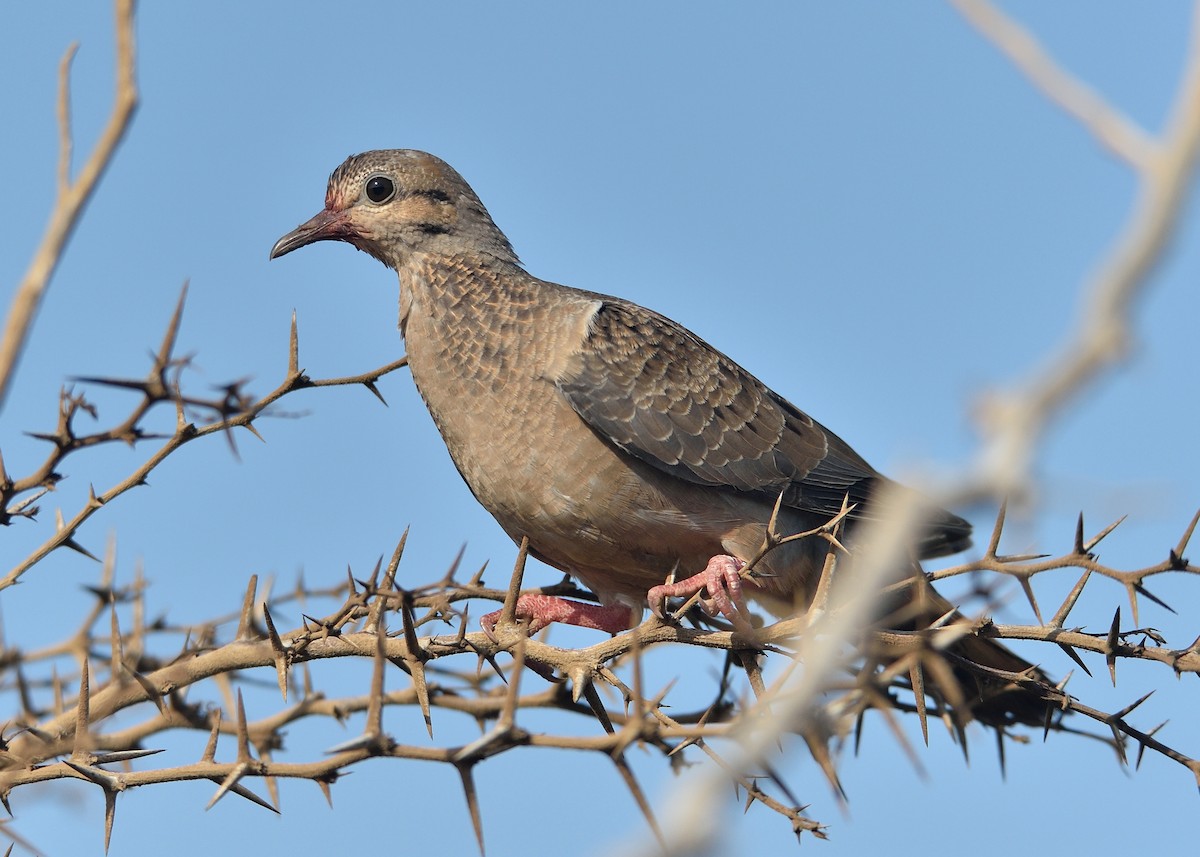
(394, 203)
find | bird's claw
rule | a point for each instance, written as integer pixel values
(721, 584)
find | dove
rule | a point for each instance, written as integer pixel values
(623, 446)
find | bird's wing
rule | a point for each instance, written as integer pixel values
(658, 392)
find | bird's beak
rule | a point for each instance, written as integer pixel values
(326, 226)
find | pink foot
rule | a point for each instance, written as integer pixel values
(723, 585)
(543, 610)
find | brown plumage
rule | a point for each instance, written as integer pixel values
(621, 444)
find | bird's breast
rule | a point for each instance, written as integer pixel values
(486, 369)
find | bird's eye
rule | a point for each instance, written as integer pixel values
(380, 189)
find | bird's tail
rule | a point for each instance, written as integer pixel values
(973, 674)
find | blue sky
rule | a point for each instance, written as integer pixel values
(862, 203)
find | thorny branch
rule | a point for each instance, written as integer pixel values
(68, 696)
(233, 408)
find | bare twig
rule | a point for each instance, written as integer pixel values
(72, 196)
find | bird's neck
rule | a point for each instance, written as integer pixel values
(456, 289)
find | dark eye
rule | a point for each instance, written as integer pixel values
(380, 189)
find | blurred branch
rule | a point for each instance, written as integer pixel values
(1111, 128)
(72, 196)
(1013, 421)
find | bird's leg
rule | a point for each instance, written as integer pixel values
(721, 581)
(543, 610)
